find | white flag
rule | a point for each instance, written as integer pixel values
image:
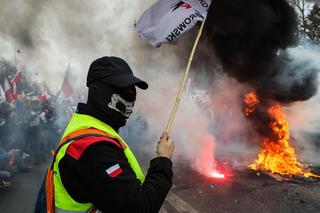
(166, 20)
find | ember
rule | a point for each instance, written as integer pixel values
(276, 155)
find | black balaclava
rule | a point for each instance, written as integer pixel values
(112, 91)
(110, 104)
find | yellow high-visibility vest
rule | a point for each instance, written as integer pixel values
(63, 201)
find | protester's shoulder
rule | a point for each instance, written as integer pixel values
(105, 144)
(101, 152)
(103, 148)
(92, 147)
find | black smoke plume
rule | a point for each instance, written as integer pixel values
(250, 37)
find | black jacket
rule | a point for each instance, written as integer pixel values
(87, 180)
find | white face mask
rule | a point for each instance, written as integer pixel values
(117, 101)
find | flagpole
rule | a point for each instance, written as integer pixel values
(178, 98)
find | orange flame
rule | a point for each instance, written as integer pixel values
(251, 100)
(276, 155)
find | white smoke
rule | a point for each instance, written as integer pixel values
(52, 34)
(304, 117)
(237, 142)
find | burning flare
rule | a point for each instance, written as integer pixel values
(276, 155)
(205, 162)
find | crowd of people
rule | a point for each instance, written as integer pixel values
(29, 131)
(31, 119)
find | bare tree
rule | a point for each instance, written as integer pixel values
(300, 6)
(313, 23)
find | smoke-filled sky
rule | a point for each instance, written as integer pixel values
(53, 33)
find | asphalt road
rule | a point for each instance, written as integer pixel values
(243, 192)
(246, 192)
(20, 197)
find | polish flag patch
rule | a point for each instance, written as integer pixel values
(114, 170)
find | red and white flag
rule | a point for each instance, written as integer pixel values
(14, 90)
(43, 94)
(16, 78)
(167, 20)
(114, 170)
(8, 91)
(2, 95)
(66, 86)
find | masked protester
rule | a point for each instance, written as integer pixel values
(94, 169)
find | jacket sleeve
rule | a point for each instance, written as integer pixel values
(123, 192)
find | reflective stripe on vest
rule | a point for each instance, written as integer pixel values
(63, 201)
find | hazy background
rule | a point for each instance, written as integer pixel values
(52, 34)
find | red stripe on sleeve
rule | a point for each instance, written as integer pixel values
(77, 147)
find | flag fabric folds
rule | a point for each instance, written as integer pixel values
(16, 78)
(43, 94)
(66, 87)
(2, 95)
(166, 20)
(8, 91)
(14, 90)
(202, 6)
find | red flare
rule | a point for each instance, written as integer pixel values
(215, 174)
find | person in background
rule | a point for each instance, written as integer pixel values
(6, 159)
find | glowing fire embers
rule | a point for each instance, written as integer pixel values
(251, 101)
(276, 155)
